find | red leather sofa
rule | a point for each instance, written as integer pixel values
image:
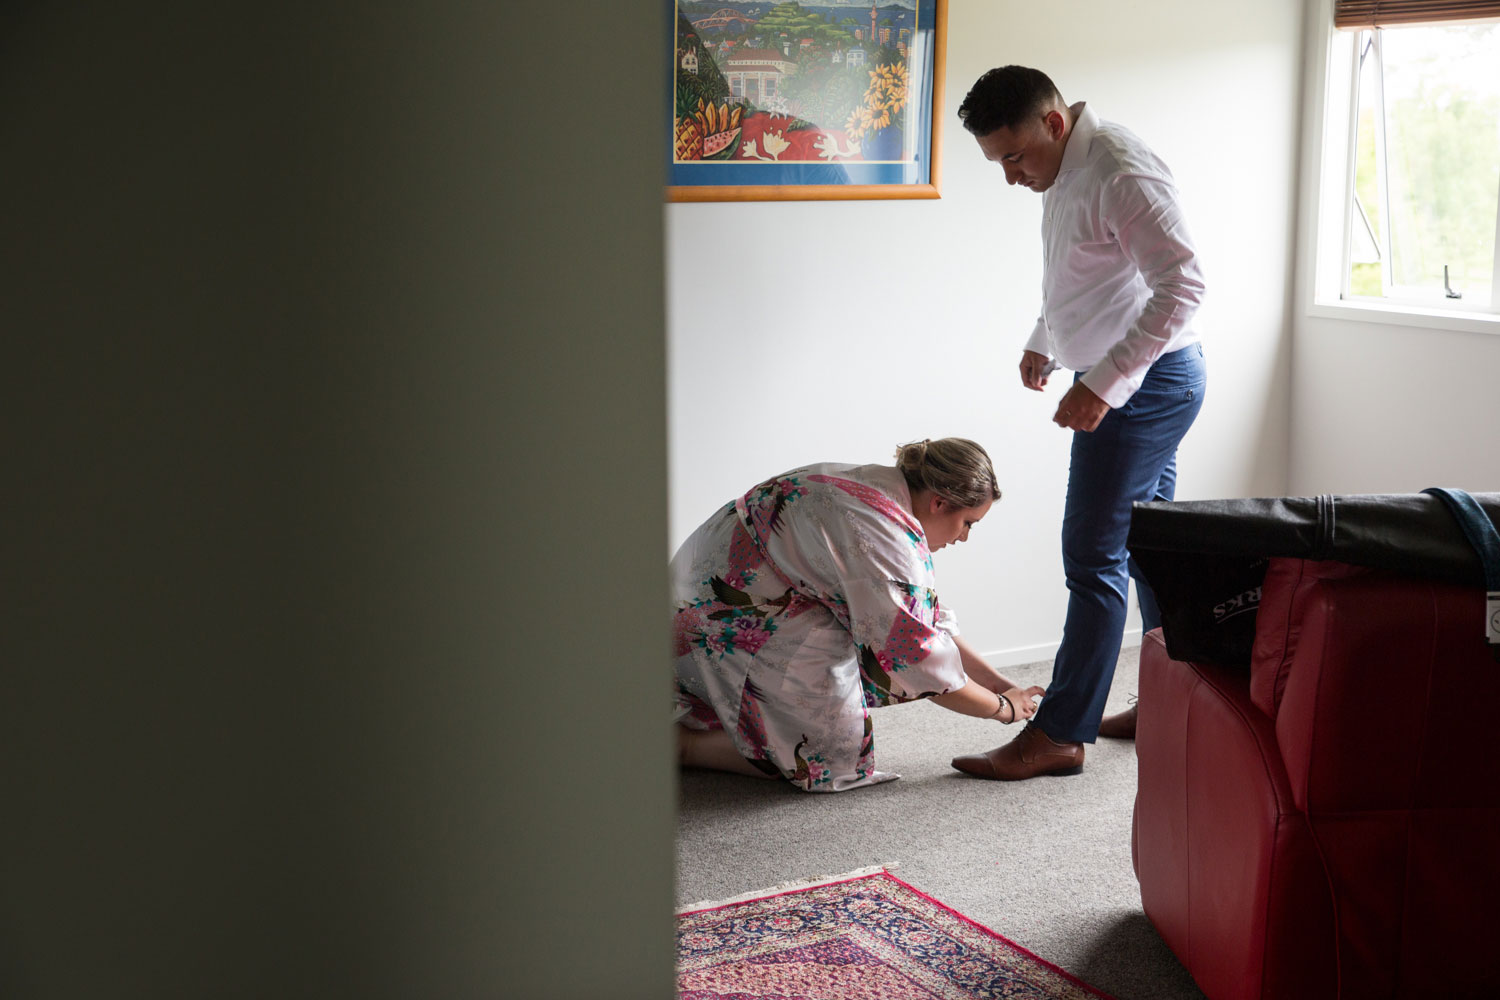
(1326, 823)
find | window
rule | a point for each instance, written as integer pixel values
(1423, 196)
(1406, 221)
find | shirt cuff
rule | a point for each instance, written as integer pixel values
(1109, 385)
(1038, 341)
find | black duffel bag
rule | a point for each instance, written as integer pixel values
(1206, 559)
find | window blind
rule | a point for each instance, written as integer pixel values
(1379, 13)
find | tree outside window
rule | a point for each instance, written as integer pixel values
(1424, 204)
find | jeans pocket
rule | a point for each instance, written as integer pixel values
(1175, 380)
(1151, 400)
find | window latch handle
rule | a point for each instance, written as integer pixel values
(1447, 288)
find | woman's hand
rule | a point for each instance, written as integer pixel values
(1022, 701)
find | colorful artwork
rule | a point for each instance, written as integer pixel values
(794, 101)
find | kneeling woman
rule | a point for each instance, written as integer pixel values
(811, 599)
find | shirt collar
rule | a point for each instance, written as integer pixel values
(1085, 124)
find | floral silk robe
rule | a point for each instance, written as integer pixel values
(800, 606)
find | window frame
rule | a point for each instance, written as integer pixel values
(1328, 181)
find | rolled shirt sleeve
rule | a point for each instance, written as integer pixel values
(1147, 220)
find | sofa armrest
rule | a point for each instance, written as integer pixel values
(1229, 874)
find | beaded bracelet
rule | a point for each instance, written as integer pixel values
(1003, 702)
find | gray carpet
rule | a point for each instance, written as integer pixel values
(1044, 862)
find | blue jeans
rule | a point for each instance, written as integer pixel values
(1130, 456)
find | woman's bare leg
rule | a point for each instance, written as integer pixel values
(712, 749)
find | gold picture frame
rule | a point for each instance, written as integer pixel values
(806, 101)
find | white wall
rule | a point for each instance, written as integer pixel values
(1394, 409)
(832, 331)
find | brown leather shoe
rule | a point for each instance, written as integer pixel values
(1030, 754)
(1120, 726)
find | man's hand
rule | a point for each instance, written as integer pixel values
(1080, 409)
(1034, 370)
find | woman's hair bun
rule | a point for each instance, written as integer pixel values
(956, 469)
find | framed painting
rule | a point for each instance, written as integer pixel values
(797, 101)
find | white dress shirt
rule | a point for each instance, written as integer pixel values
(1121, 280)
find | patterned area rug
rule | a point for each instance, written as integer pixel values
(866, 935)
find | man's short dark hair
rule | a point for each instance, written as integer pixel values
(1005, 97)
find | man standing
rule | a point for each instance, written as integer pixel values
(1120, 285)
